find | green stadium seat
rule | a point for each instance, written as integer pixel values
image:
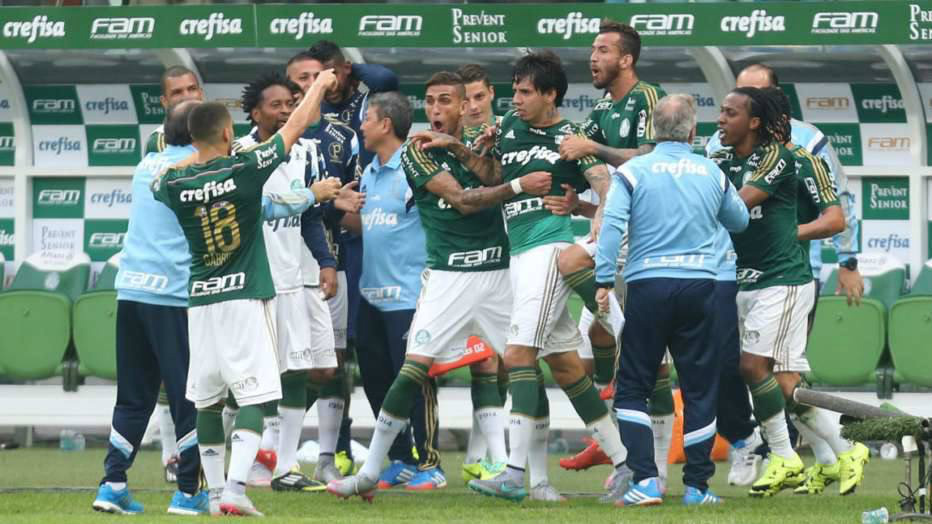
(95, 325)
(847, 343)
(35, 314)
(911, 331)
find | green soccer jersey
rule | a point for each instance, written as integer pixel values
(815, 190)
(156, 141)
(219, 207)
(627, 123)
(768, 252)
(523, 149)
(455, 242)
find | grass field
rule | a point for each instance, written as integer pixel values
(52, 487)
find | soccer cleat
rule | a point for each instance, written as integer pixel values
(471, 471)
(482, 470)
(171, 470)
(213, 501)
(617, 484)
(427, 480)
(268, 458)
(395, 474)
(326, 472)
(120, 502)
(501, 486)
(239, 505)
(694, 497)
(354, 485)
(643, 493)
(745, 464)
(818, 476)
(546, 493)
(775, 476)
(851, 471)
(259, 475)
(585, 459)
(344, 463)
(189, 505)
(294, 480)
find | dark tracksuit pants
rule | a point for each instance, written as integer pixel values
(381, 343)
(151, 349)
(735, 418)
(669, 313)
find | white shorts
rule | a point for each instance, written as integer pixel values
(322, 344)
(455, 305)
(773, 324)
(539, 316)
(339, 311)
(294, 331)
(232, 349)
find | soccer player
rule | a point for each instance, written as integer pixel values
(672, 202)
(479, 96)
(178, 83)
(218, 201)
(528, 140)
(466, 288)
(152, 334)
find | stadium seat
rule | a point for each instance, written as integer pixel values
(911, 331)
(35, 314)
(95, 325)
(847, 343)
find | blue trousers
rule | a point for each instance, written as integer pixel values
(735, 418)
(672, 313)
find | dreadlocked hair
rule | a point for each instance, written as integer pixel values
(783, 129)
(252, 93)
(765, 108)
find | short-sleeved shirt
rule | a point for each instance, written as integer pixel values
(219, 207)
(455, 242)
(523, 149)
(768, 252)
(156, 141)
(627, 123)
(815, 189)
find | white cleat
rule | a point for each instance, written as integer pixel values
(546, 493)
(353, 485)
(745, 464)
(240, 505)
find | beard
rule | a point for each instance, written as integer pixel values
(609, 74)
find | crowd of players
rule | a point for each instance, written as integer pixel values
(328, 228)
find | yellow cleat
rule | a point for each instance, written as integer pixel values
(852, 468)
(483, 470)
(775, 477)
(345, 464)
(471, 471)
(817, 477)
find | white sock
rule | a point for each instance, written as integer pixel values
(477, 446)
(778, 436)
(117, 486)
(662, 425)
(520, 435)
(537, 453)
(213, 460)
(605, 432)
(167, 433)
(820, 448)
(271, 430)
(242, 454)
(492, 424)
(229, 418)
(826, 427)
(329, 415)
(387, 428)
(289, 435)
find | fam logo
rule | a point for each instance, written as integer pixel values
(758, 22)
(113, 146)
(59, 197)
(214, 25)
(845, 23)
(889, 143)
(828, 103)
(106, 241)
(573, 24)
(390, 25)
(40, 27)
(123, 28)
(247, 385)
(54, 106)
(305, 24)
(663, 25)
(61, 145)
(7, 143)
(478, 28)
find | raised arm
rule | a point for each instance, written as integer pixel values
(308, 111)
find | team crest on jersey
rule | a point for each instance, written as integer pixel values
(335, 150)
(346, 115)
(625, 128)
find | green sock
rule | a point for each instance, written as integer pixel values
(400, 396)
(543, 403)
(524, 391)
(231, 401)
(583, 283)
(484, 391)
(210, 426)
(768, 398)
(661, 400)
(604, 361)
(250, 417)
(334, 388)
(502, 383)
(312, 393)
(586, 401)
(294, 389)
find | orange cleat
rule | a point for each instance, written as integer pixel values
(585, 459)
(267, 458)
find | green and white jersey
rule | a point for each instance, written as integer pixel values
(768, 252)
(471, 133)
(523, 149)
(815, 190)
(627, 123)
(219, 207)
(156, 141)
(455, 242)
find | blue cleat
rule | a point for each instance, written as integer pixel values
(396, 474)
(644, 493)
(119, 502)
(183, 504)
(428, 479)
(694, 497)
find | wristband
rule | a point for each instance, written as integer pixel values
(516, 186)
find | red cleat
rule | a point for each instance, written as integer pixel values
(585, 459)
(267, 458)
(608, 392)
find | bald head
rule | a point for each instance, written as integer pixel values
(176, 123)
(757, 75)
(675, 118)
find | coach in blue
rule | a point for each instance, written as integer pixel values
(152, 333)
(670, 203)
